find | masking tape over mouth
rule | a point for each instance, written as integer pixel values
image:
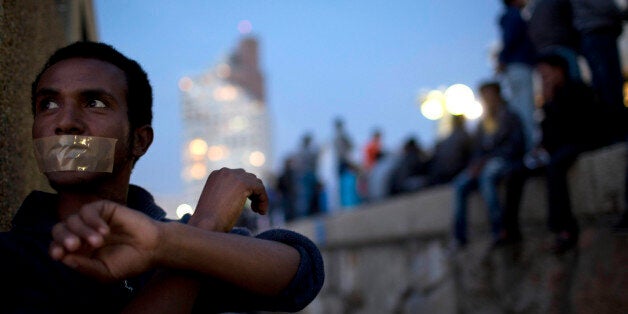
(75, 153)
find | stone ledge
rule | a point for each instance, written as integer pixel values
(597, 185)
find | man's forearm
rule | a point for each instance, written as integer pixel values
(167, 292)
(257, 265)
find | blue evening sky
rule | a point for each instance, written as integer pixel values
(365, 61)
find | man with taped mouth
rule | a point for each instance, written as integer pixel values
(101, 244)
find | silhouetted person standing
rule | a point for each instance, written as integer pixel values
(286, 185)
(551, 30)
(600, 23)
(306, 167)
(372, 149)
(343, 146)
(516, 60)
(347, 171)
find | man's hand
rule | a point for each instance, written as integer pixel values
(106, 240)
(224, 196)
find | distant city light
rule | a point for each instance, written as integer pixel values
(432, 106)
(184, 209)
(238, 123)
(257, 159)
(245, 27)
(458, 98)
(225, 93)
(197, 171)
(185, 84)
(217, 152)
(197, 147)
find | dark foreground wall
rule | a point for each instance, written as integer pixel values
(30, 30)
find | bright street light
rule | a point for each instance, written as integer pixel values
(432, 106)
(457, 99)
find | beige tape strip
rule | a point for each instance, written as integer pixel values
(75, 153)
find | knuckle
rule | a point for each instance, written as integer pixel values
(73, 220)
(58, 228)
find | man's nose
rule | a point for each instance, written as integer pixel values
(70, 121)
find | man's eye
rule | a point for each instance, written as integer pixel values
(95, 103)
(48, 104)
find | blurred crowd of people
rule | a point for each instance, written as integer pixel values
(369, 173)
(523, 131)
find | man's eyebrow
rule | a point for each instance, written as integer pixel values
(46, 92)
(96, 92)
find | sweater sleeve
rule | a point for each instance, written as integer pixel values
(310, 275)
(218, 296)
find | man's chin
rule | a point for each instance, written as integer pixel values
(63, 180)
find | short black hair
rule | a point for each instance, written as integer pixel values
(553, 59)
(139, 95)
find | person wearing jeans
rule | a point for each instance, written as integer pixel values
(486, 181)
(515, 65)
(498, 144)
(600, 23)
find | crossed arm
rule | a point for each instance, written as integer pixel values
(111, 242)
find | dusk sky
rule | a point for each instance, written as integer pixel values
(364, 61)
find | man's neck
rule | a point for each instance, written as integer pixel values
(71, 200)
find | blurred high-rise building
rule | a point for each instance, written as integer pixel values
(225, 119)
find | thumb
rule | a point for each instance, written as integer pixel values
(88, 266)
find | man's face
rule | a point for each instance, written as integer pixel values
(87, 97)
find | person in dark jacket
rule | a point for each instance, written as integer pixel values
(571, 125)
(408, 174)
(101, 245)
(451, 154)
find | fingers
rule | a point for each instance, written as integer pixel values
(81, 231)
(86, 265)
(253, 186)
(224, 196)
(257, 193)
(259, 198)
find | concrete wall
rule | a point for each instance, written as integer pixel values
(30, 30)
(393, 256)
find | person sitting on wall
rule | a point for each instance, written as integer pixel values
(571, 124)
(498, 143)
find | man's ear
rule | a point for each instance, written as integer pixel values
(142, 138)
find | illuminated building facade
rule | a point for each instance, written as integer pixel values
(226, 123)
